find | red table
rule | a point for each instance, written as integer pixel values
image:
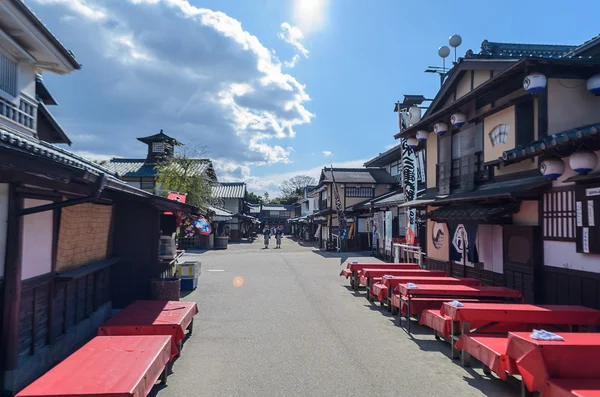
(480, 314)
(367, 275)
(107, 366)
(352, 269)
(538, 361)
(153, 318)
(571, 387)
(490, 349)
(455, 292)
(381, 289)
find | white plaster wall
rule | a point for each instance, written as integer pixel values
(563, 254)
(489, 247)
(570, 105)
(26, 80)
(3, 224)
(36, 250)
(528, 214)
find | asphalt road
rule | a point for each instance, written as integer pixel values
(283, 323)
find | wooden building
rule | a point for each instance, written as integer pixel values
(355, 185)
(74, 240)
(491, 214)
(142, 173)
(276, 215)
(232, 197)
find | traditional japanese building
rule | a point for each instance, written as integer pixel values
(142, 173)
(502, 116)
(75, 241)
(232, 196)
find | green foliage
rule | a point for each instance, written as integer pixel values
(254, 198)
(296, 185)
(266, 198)
(287, 199)
(181, 174)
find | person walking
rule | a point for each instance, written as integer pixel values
(278, 235)
(267, 236)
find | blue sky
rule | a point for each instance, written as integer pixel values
(274, 88)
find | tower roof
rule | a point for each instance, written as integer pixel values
(160, 137)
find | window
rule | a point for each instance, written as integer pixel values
(158, 147)
(559, 215)
(499, 134)
(147, 185)
(274, 214)
(8, 76)
(359, 192)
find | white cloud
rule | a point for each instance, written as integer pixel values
(327, 153)
(292, 35)
(270, 182)
(166, 64)
(310, 15)
(94, 156)
(291, 63)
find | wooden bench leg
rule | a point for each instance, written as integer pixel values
(163, 376)
(524, 391)
(465, 356)
(191, 327)
(487, 370)
(453, 336)
(179, 347)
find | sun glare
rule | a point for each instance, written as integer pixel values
(309, 14)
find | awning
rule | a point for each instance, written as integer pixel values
(417, 203)
(506, 189)
(220, 214)
(498, 213)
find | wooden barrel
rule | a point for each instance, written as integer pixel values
(221, 242)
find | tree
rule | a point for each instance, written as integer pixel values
(254, 198)
(180, 173)
(286, 200)
(296, 185)
(266, 198)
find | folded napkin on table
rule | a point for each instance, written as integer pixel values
(411, 285)
(455, 303)
(540, 334)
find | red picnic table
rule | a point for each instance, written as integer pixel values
(571, 387)
(368, 277)
(353, 269)
(153, 318)
(482, 315)
(380, 289)
(407, 294)
(107, 366)
(540, 361)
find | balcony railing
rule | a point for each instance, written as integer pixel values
(24, 114)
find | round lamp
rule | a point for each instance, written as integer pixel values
(583, 161)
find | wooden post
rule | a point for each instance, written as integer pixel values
(12, 284)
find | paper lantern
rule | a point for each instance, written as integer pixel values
(458, 119)
(440, 128)
(552, 168)
(412, 142)
(534, 83)
(414, 115)
(593, 84)
(422, 135)
(583, 161)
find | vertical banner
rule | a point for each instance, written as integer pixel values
(409, 184)
(388, 232)
(342, 232)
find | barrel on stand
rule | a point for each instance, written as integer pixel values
(221, 242)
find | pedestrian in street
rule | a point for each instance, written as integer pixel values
(278, 235)
(267, 236)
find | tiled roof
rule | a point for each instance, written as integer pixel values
(29, 14)
(550, 142)
(589, 48)
(220, 211)
(140, 168)
(479, 212)
(277, 207)
(229, 190)
(358, 175)
(493, 50)
(46, 150)
(394, 199)
(254, 208)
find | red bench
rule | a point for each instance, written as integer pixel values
(352, 270)
(153, 318)
(490, 349)
(571, 388)
(367, 275)
(108, 366)
(381, 290)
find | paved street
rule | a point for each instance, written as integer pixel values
(282, 323)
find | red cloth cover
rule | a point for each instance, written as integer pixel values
(152, 318)
(538, 361)
(489, 349)
(107, 366)
(456, 291)
(523, 313)
(380, 290)
(397, 280)
(571, 387)
(359, 266)
(402, 272)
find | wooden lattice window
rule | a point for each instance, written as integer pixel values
(559, 215)
(359, 192)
